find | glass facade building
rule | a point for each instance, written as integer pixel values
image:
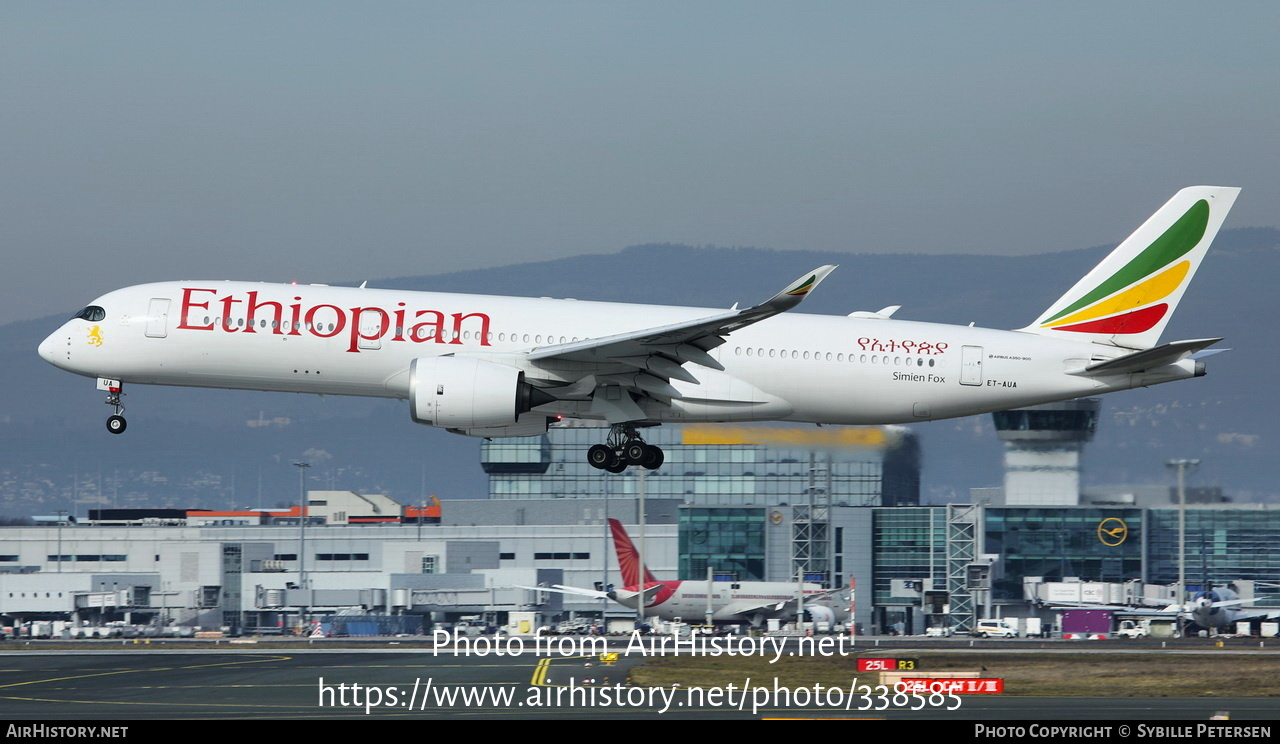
(749, 492)
(1223, 543)
(911, 545)
(1092, 544)
(729, 540)
(1107, 544)
(717, 465)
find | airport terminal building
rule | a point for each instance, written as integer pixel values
(836, 506)
(718, 465)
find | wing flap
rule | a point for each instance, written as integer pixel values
(661, 365)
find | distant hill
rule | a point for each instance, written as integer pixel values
(221, 449)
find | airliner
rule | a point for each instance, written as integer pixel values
(751, 602)
(490, 366)
(1220, 609)
(1212, 609)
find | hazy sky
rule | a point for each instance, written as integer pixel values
(326, 141)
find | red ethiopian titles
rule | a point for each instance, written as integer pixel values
(326, 321)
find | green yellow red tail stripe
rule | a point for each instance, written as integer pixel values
(1125, 312)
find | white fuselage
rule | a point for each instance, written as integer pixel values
(728, 602)
(357, 341)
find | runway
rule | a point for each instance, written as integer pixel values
(281, 685)
(318, 685)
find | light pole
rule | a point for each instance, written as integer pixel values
(61, 519)
(604, 560)
(302, 534)
(1182, 466)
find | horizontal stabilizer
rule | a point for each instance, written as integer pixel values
(1141, 361)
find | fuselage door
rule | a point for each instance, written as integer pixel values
(158, 318)
(971, 365)
(371, 330)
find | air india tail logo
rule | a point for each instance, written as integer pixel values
(95, 336)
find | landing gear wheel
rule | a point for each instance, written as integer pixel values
(635, 452)
(599, 456)
(116, 424)
(624, 448)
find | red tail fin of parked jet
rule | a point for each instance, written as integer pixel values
(628, 557)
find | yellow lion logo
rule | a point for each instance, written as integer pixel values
(95, 336)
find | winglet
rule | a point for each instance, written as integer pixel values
(797, 290)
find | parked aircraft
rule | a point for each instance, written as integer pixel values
(1217, 608)
(1221, 608)
(730, 601)
(491, 366)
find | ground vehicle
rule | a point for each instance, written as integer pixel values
(1133, 629)
(994, 629)
(939, 631)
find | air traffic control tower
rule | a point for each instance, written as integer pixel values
(1042, 446)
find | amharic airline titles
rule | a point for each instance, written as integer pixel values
(509, 366)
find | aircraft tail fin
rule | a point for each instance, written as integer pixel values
(1128, 298)
(628, 557)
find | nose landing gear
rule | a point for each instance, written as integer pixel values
(624, 448)
(115, 422)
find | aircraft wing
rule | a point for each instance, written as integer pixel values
(1266, 613)
(649, 593)
(653, 356)
(1130, 612)
(1169, 611)
(562, 589)
(746, 610)
(769, 608)
(1172, 611)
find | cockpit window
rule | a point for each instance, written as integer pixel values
(92, 313)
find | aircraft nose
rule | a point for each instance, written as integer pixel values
(49, 347)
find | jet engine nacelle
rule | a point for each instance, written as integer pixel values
(466, 393)
(820, 613)
(528, 425)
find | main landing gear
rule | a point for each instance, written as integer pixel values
(623, 448)
(115, 422)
